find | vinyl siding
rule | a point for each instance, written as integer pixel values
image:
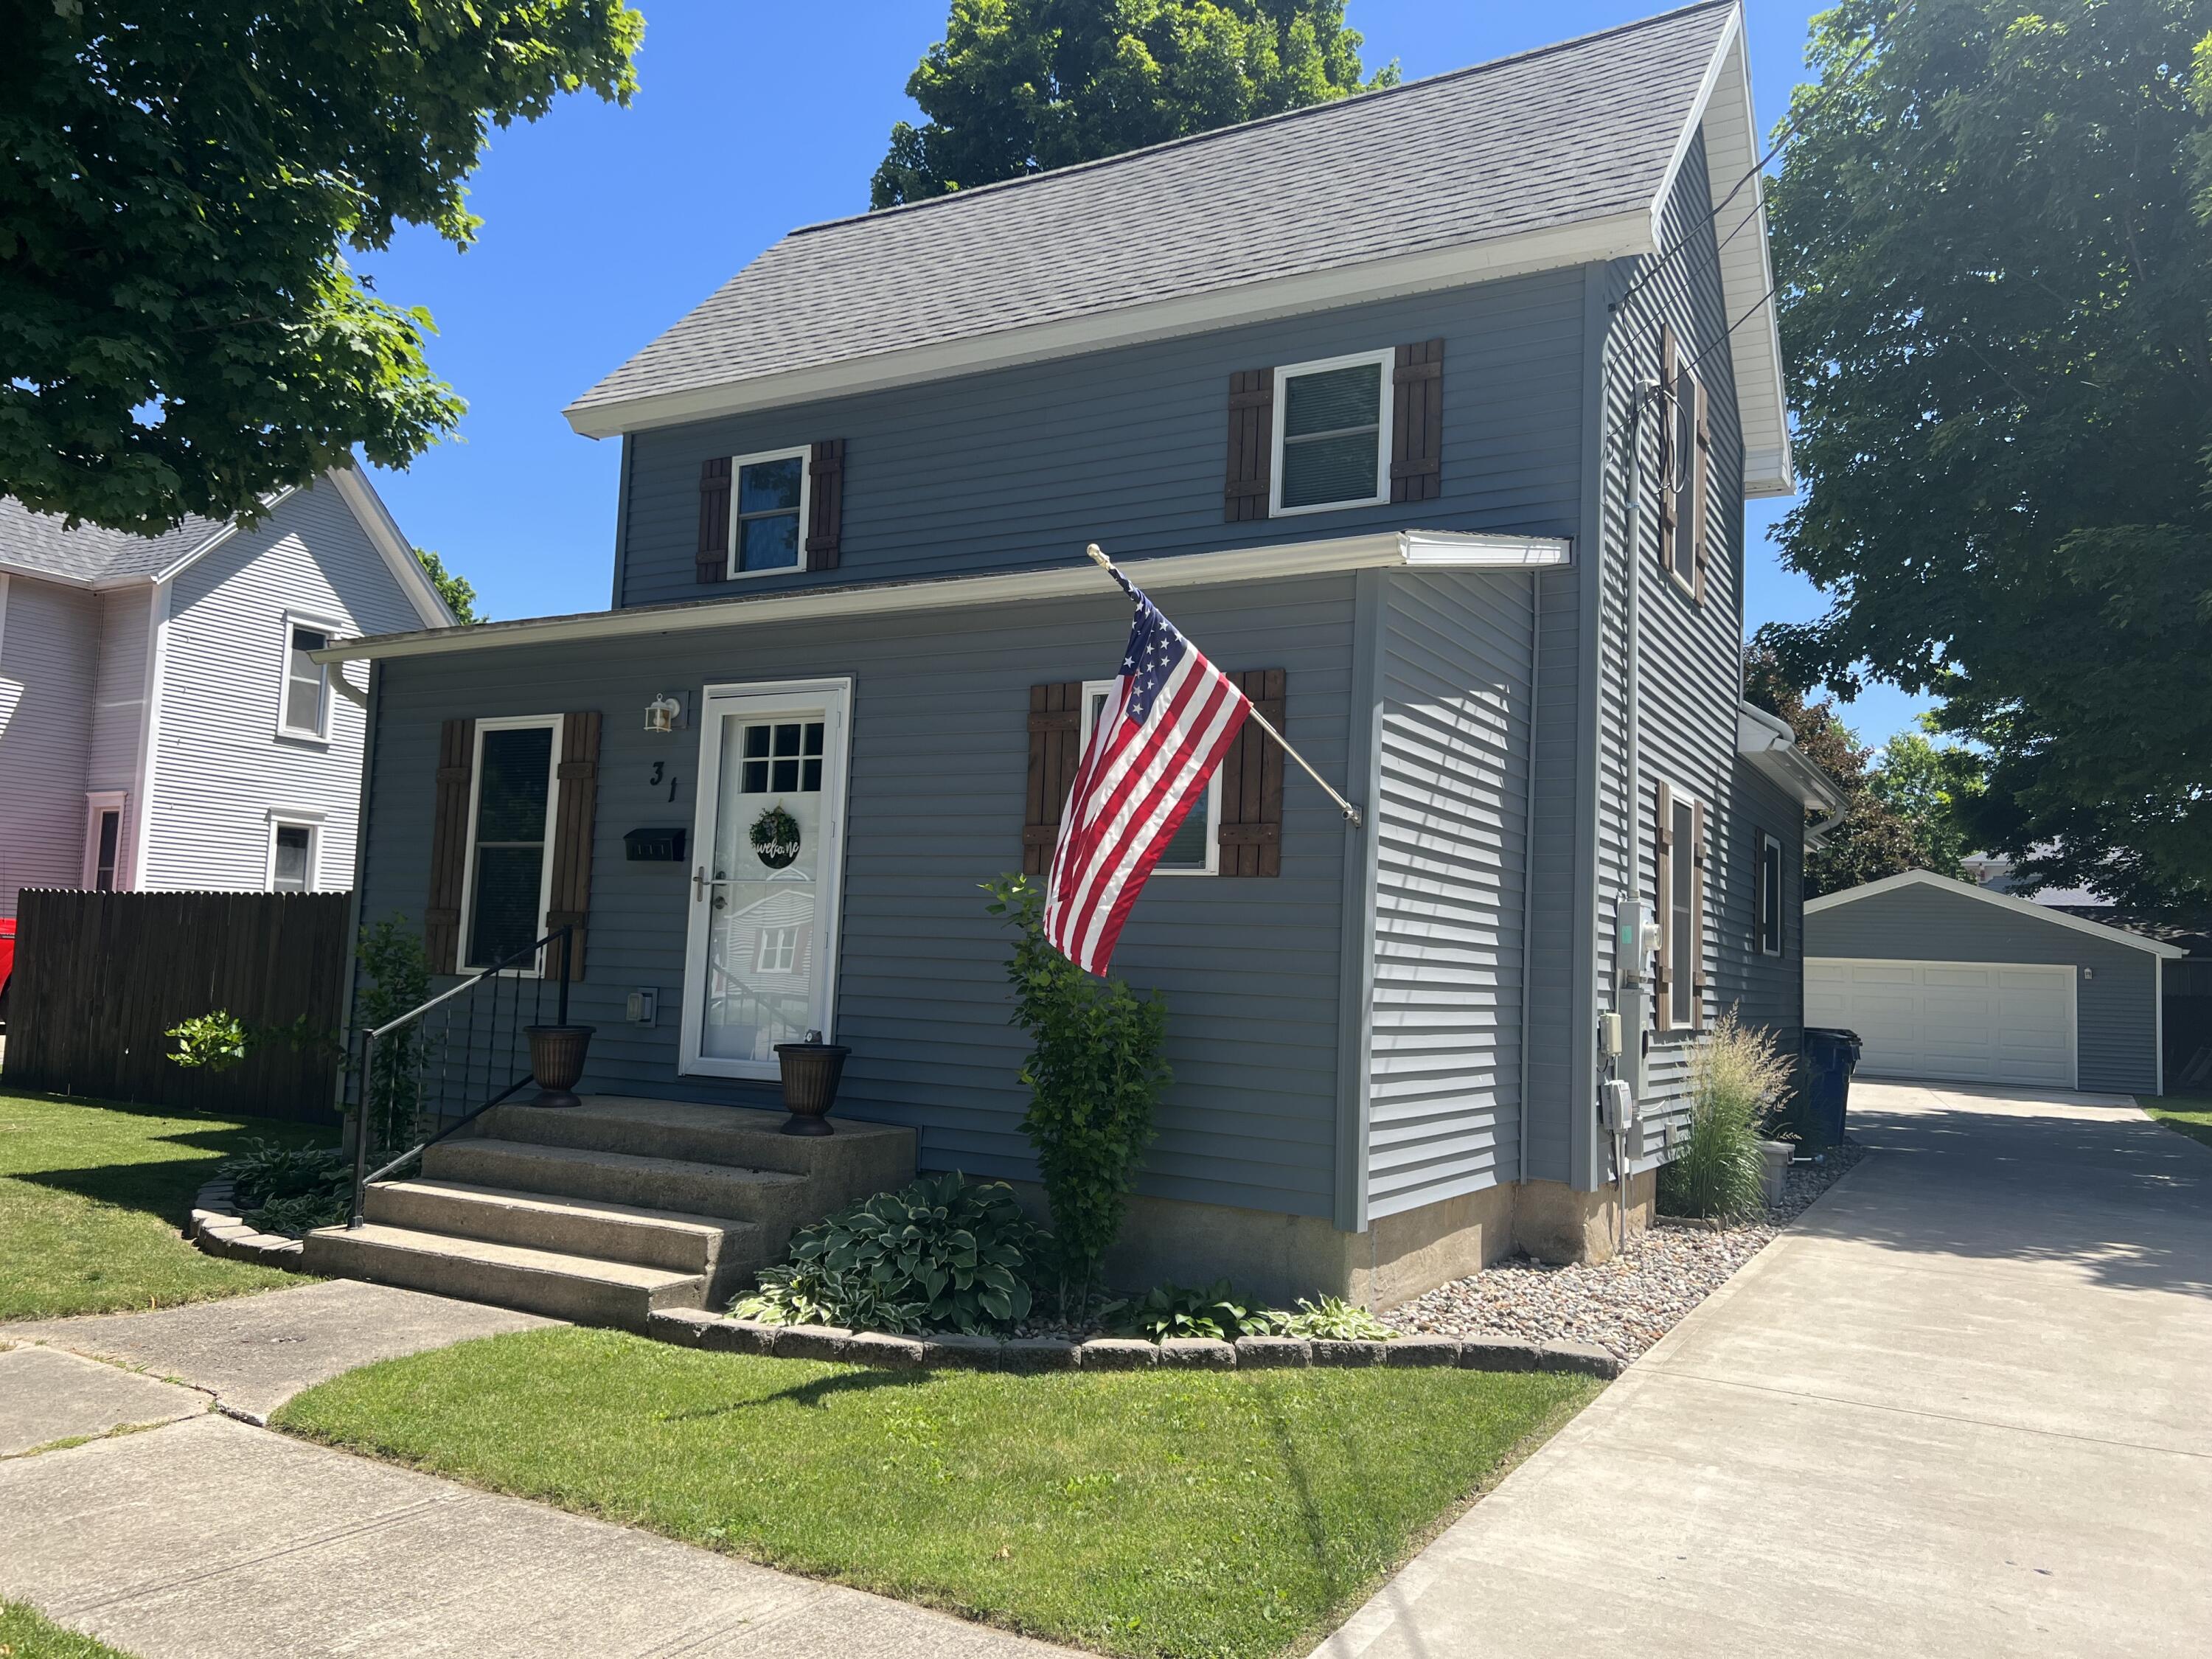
(1452, 827)
(1128, 447)
(1690, 653)
(938, 775)
(1766, 991)
(221, 768)
(118, 711)
(49, 660)
(2116, 1007)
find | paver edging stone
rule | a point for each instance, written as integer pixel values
(698, 1327)
(217, 1229)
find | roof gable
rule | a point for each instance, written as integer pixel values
(2006, 900)
(1559, 157)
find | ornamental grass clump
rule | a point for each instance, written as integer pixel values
(1737, 1081)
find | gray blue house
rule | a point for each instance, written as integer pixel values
(163, 722)
(1432, 414)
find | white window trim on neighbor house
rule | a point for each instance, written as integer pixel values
(1386, 361)
(1772, 892)
(307, 818)
(97, 803)
(804, 454)
(1094, 689)
(331, 633)
(552, 723)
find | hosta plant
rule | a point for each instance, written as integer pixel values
(938, 1254)
(1331, 1318)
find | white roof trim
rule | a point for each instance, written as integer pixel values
(1591, 241)
(398, 552)
(2006, 901)
(1424, 550)
(1771, 747)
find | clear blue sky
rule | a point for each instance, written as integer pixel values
(603, 226)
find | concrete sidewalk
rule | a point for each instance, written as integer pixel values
(1959, 1410)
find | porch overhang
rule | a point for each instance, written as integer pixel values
(1402, 550)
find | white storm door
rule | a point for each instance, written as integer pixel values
(768, 868)
(1966, 1022)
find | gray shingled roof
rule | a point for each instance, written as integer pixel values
(42, 543)
(1573, 132)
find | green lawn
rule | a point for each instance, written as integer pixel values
(2190, 1114)
(1184, 1513)
(93, 1198)
(24, 1635)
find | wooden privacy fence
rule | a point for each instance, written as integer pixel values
(100, 976)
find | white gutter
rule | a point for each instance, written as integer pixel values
(1402, 550)
(1772, 747)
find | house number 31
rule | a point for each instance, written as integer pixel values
(662, 774)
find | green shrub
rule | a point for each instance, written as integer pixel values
(938, 1254)
(291, 1190)
(1333, 1319)
(213, 1042)
(1737, 1078)
(396, 980)
(1094, 1076)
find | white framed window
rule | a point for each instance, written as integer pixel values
(1770, 896)
(104, 812)
(769, 496)
(1195, 849)
(303, 694)
(779, 950)
(1686, 477)
(1331, 443)
(1679, 866)
(295, 846)
(507, 885)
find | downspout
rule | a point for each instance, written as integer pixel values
(1529, 856)
(1632, 756)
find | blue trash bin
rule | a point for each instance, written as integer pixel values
(1830, 1056)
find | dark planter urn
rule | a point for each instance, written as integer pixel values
(556, 1061)
(811, 1072)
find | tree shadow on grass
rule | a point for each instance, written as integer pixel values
(817, 1394)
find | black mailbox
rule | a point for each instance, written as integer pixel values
(653, 846)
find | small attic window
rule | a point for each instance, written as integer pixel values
(1333, 433)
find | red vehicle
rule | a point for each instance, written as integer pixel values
(7, 961)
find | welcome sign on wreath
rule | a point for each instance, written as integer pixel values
(775, 837)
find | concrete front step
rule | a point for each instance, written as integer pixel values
(776, 1200)
(581, 1288)
(858, 1159)
(725, 1251)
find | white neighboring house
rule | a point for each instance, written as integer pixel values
(161, 725)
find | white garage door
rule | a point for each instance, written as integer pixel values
(1970, 1022)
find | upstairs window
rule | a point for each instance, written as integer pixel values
(767, 524)
(1333, 433)
(305, 708)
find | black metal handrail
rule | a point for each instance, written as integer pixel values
(409, 1073)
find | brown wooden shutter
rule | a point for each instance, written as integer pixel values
(714, 518)
(449, 846)
(1696, 943)
(1416, 422)
(1056, 746)
(1700, 476)
(1251, 443)
(1663, 847)
(1668, 370)
(825, 499)
(1251, 827)
(574, 816)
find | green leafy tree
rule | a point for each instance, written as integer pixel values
(1024, 86)
(179, 331)
(1994, 234)
(458, 593)
(1871, 839)
(1934, 788)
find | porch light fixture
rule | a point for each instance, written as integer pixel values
(664, 713)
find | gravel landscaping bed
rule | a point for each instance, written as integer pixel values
(1628, 1304)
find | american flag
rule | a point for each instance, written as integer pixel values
(1169, 719)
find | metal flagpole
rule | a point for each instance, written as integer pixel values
(1251, 713)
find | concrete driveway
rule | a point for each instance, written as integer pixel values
(1963, 1408)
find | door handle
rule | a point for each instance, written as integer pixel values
(699, 885)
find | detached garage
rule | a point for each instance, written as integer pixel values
(1952, 982)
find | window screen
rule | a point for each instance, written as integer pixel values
(514, 775)
(1683, 899)
(294, 845)
(1333, 436)
(304, 684)
(768, 495)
